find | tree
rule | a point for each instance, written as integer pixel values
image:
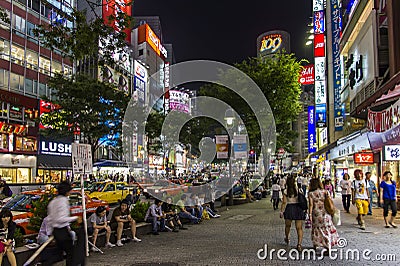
(90, 106)
(277, 77)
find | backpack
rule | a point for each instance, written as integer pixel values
(302, 200)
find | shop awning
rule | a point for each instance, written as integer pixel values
(110, 163)
(54, 162)
(390, 96)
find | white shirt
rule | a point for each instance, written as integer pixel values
(304, 181)
(360, 187)
(58, 212)
(346, 186)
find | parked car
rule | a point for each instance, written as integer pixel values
(21, 206)
(111, 192)
(163, 188)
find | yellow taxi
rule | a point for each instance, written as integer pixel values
(110, 192)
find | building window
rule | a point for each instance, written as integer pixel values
(34, 4)
(44, 65)
(17, 54)
(25, 144)
(19, 25)
(67, 70)
(140, 52)
(3, 79)
(3, 142)
(4, 49)
(56, 67)
(42, 89)
(29, 86)
(32, 59)
(15, 82)
(4, 24)
(16, 112)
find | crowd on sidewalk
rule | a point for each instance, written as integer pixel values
(308, 199)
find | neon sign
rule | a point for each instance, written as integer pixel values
(271, 43)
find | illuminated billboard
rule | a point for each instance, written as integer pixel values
(146, 34)
(179, 101)
(140, 81)
(307, 75)
(312, 138)
(272, 42)
(112, 8)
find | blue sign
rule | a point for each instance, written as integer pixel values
(312, 138)
(320, 115)
(319, 22)
(140, 88)
(336, 34)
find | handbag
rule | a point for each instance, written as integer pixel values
(328, 204)
(336, 218)
(302, 201)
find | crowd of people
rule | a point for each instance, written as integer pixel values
(290, 189)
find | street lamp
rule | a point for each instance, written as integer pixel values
(230, 121)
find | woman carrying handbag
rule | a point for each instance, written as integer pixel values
(323, 233)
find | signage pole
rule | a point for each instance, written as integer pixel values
(84, 211)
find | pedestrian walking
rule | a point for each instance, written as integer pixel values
(323, 232)
(59, 219)
(345, 185)
(360, 196)
(371, 191)
(388, 198)
(275, 198)
(290, 210)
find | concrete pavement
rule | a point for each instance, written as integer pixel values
(237, 237)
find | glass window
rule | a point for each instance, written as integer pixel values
(17, 54)
(4, 24)
(34, 4)
(42, 89)
(3, 78)
(29, 86)
(56, 67)
(22, 2)
(110, 187)
(14, 81)
(32, 59)
(25, 144)
(3, 142)
(4, 49)
(23, 175)
(19, 23)
(3, 109)
(67, 70)
(29, 29)
(44, 65)
(31, 114)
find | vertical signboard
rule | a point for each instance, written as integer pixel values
(336, 65)
(311, 129)
(140, 81)
(82, 158)
(222, 146)
(112, 8)
(319, 22)
(240, 146)
(319, 45)
(307, 75)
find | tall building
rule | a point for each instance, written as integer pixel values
(25, 66)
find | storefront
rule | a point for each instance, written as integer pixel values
(391, 162)
(18, 137)
(354, 152)
(54, 162)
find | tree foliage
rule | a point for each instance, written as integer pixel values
(277, 77)
(91, 106)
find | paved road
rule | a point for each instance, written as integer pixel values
(236, 237)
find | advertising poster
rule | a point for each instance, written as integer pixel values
(307, 75)
(140, 81)
(320, 115)
(240, 146)
(222, 146)
(179, 101)
(319, 22)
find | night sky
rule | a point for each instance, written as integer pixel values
(225, 30)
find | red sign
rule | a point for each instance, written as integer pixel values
(112, 8)
(384, 120)
(364, 158)
(13, 129)
(319, 45)
(307, 75)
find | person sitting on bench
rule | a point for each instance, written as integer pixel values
(121, 219)
(97, 223)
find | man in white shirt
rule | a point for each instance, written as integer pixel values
(59, 219)
(360, 196)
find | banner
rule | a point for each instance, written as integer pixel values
(312, 138)
(240, 146)
(384, 120)
(222, 146)
(82, 158)
(337, 73)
